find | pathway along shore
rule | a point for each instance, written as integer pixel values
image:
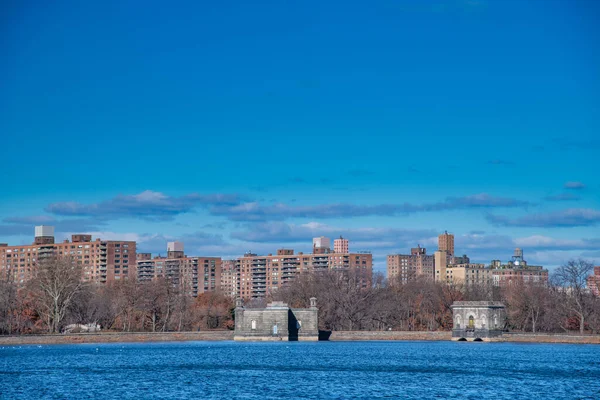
(140, 337)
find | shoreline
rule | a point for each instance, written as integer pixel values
(338, 336)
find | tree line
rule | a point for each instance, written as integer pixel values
(57, 297)
(563, 305)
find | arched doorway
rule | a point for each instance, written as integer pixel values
(471, 322)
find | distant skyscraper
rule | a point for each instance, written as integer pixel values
(340, 245)
(446, 243)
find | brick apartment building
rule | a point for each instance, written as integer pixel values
(402, 268)
(194, 275)
(102, 260)
(229, 278)
(260, 275)
(340, 245)
(593, 282)
(446, 243)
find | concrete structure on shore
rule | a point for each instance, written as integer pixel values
(277, 322)
(478, 320)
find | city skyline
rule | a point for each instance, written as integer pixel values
(259, 127)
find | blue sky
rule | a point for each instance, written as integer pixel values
(243, 126)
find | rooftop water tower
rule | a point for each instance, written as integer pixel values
(44, 234)
(175, 250)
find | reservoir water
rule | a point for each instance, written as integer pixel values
(324, 370)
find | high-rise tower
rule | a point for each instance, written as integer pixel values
(446, 243)
(340, 245)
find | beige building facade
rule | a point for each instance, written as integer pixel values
(469, 275)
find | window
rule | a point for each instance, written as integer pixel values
(253, 325)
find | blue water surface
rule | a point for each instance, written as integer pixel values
(297, 370)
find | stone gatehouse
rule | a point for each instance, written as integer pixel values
(277, 322)
(478, 320)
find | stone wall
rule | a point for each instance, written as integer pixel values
(309, 323)
(228, 335)
(116, 337)
(276, 322)
(388, 335)
(548, 338)
(264, 320)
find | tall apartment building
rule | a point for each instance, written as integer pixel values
(261, 275)
(194, 275)
(593, 282)
(446, 243)
(402, 268)
(340, 245)
(102, 260)
(229, 278)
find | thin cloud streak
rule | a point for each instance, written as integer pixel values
(574, 185)
(148, 205)
(563, 197)
(573, 217)
(255, 211)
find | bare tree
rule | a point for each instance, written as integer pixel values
(127, 297)
(56, 283)
(9, 306)
(213, 309)
(572, 277)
